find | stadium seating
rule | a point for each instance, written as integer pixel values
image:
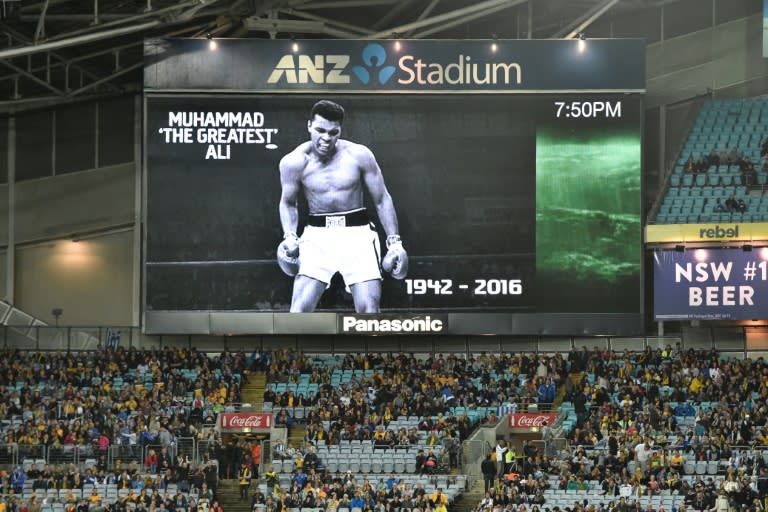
(692, 195)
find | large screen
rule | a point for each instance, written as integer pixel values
(511, 205)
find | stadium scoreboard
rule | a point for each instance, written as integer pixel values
(514, 168)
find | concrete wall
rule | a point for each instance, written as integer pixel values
(91, 280)
(726, 60)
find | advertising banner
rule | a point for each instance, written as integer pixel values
(530, 420)
(670, 233)
(519, 65)
(765, 28)
(245, 420)
(711, 284)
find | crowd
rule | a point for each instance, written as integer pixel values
(138, 404)
(179, 488)
(633, 438)
(641, 419)
(365, 409)
(401, 385)
(731, 158)
(330, 492)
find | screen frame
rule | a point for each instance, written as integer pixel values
(325, 323)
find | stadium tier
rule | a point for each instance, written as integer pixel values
(722, 160)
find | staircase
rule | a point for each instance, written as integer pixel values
(560, 395)
(296, 434)
(470, 498)
(228, 495)
(253, 391)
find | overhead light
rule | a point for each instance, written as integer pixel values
(582, 44)
(398, 44)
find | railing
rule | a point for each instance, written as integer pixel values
(9, 454)
(473, 452)
(117, 456)
(47, 338)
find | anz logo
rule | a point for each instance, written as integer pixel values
(374, 57)
(330, 69)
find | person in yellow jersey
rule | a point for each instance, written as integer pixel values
(244, 479)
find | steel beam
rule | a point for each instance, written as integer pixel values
(106, 79)
(72, 41)
(30, 76)
(389, 16)
(345, 4)
(445, 17)
(590, 17)
(460, 21)
(426, 12)
(328, 21)
(156, 14)
(40, 29)
(62, 61)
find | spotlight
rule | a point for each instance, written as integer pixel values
(398, 44)
(209, 36)
(494, 46)
(294, 45)
(582, 44)
(680, 248)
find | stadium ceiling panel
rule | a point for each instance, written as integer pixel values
(59, 51)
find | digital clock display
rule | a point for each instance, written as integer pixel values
(588, 109)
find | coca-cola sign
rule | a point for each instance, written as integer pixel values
(243, 420)
(528, 420)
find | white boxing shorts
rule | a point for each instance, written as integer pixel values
(329, 244)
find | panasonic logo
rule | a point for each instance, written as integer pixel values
(425, 324)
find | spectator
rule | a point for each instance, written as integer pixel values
(488, 469)
(719, 206)
(244, 479)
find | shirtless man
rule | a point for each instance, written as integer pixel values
(338, 236)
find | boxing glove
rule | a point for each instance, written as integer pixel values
(396, 261)
(288, 254)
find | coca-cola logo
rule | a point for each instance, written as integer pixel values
(246, 421)
(530, 420)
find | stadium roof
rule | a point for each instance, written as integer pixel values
(59, 51)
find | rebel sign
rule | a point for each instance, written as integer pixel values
(531, 420)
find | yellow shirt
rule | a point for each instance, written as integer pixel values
(439, 498)
(695, 385)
